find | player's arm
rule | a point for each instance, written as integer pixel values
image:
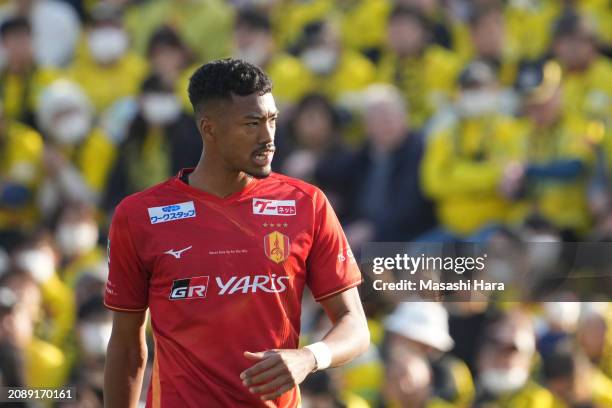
(278, 371)
(126, 358)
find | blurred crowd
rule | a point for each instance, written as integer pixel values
(422, 120)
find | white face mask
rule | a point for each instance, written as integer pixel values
(95, 338)
(38, 263)
(320, 60)
(160, 108)
(478, 103)
(255, 54)
(107, 44)
(77, 238)
(499, 381)
(71, 129)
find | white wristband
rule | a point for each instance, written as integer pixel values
(322, 354)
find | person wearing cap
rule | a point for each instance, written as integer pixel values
(422, 328)
(104, 65)
(504, 364)
(559, 156)
(469, 167)
(424, 72)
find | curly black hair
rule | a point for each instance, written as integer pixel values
(221, 78)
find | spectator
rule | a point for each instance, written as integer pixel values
(21, 79)
(490, 42)
(379, 184)
(558, 155)
(504, 364)
(162, 140)
(53, 43)
(569, 375)
(587, 75)
(107, 60)
(78, 154)
(594, 336)
(45, 364)
(169, 56)
(422, 327)
(21, 153)
(254, 42)
(205, 25)
(333, 70)
(311, 139)
(424, 73)
(470, 166)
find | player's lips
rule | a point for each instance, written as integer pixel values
(263, 157)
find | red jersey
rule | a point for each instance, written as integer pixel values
(222, 276)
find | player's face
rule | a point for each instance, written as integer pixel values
(245, 134)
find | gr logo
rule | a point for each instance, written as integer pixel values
(189, 288)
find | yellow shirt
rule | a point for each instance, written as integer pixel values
(21, 162)
(106, 84)
(564, 203)
(95, 159)
(46, 365)
(426, 82)
(462, 169)
(19, 93)
(353, 72)
(205, 25)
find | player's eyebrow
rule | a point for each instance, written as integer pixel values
(259, 116)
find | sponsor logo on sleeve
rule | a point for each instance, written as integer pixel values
(273, 207)
(172, 212)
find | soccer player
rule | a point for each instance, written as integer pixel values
(221, 254)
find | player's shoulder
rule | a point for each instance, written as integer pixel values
(283, 182)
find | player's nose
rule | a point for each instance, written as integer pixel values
(266, 134)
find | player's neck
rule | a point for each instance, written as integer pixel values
(216, 181)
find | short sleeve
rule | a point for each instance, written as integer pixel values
(331, 266)
(127, 286)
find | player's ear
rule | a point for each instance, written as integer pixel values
(207, 128)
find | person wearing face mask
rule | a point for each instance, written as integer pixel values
(76, 236)
(38, 258)
(422, 328)
(21, 78)
(162, 139)
(45, 364)
(79, 154)
(504, 364)
(93, 330)
(471, 165)
(334, 70)
(254, 42)
(424, 72)
(105, 66)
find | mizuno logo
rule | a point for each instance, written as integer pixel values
(177, 254)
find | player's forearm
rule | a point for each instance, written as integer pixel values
(348, 338)
(125, 365)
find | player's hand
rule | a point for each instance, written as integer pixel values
(277, 371)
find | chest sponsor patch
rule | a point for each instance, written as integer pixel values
(273, 207)
(171, 212)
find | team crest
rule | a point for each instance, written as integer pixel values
(276, 246)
